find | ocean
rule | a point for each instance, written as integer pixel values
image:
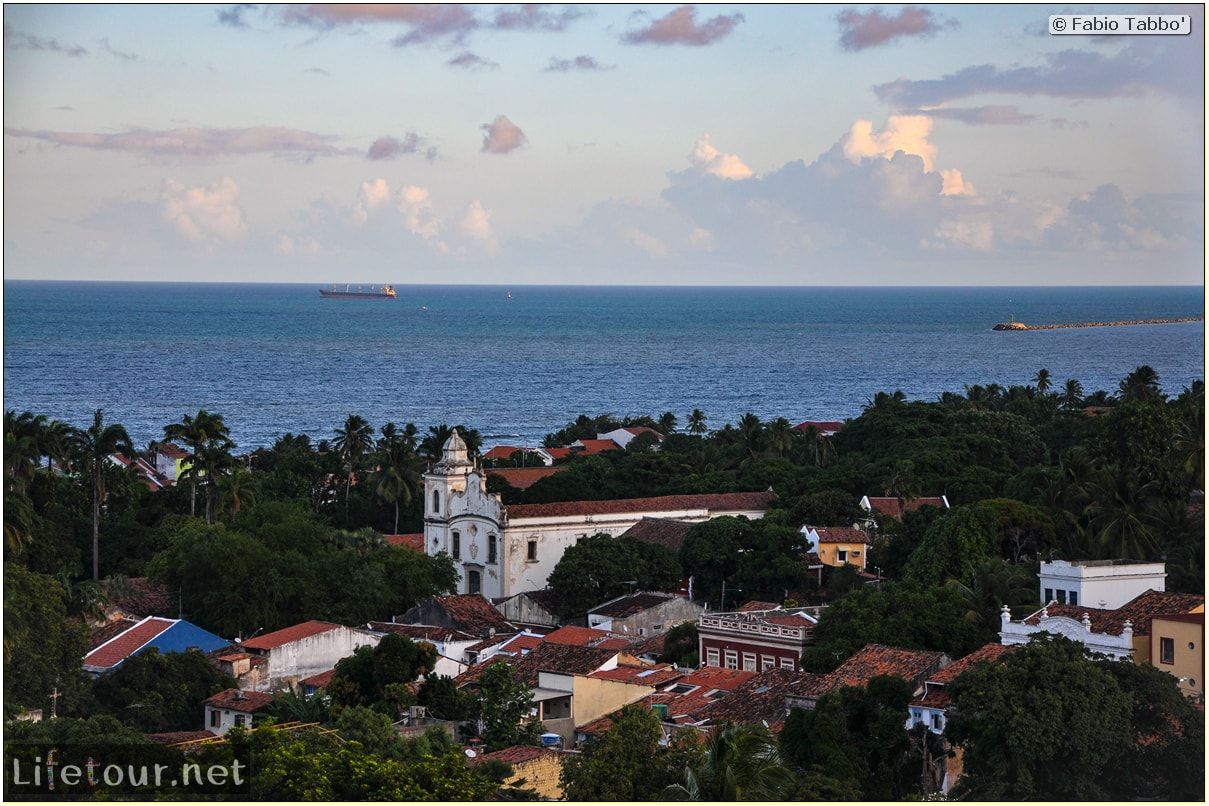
(517, 363)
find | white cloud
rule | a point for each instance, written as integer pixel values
(202, 213)
(955, 184)
(502, 136)
(906, 133)
(418, 213)
(476, 225)
(372, 195)
(707, 159)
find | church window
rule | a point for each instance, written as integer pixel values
(436, 502)
(457, 546)
(491, 550)
(532, 556)
(474, 582)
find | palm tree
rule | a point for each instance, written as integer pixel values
(22, 451)
(903, 483)
(1072, 394)
(750, 436)
(667, 423)
(352, 442)
(782, 436)
(396, 479)
(820, 445)
(740, 762)
(197, 433)
(696, 422)
(1140, 385)
(991, 585)
(236, 489)
(92, 448)
(1042, 381)
(1123, 515)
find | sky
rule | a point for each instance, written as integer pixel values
(601, 144)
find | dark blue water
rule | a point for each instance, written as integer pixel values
(273, 359)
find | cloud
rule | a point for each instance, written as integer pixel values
(502, 136)
(201, 213)
(129, 57)
(955, 184)
(14, 40)
(385, 148)
(907, 133)
(977, 115)
(469, 61)
(578, 63)
(373, 195)
(194, 142)
(708, 160)
(1134, 71)
(476, 226)
(431, 22)
(233, 16)
(418, 212)
(680, 27)
(870, 29)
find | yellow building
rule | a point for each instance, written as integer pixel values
(839, 545)
(1177, 646)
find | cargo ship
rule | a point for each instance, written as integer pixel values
(374, 292)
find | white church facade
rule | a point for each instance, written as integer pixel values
(502, 551)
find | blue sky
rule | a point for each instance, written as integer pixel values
(613, 144)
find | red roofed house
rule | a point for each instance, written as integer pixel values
(887, 506)
(304, 650)
(166, 635)
(536, 768)
(755, 640)
(643, 614)
(501, 551)
(414, 542)
(234, 708)
(913, 665)
(839, 545)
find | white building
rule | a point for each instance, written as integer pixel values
(304, 650)
(1102, 584)
(501, 551)
(1116, 645)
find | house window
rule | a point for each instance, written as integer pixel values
(457, 546)
(749, 661)
(532, 556)
(767, 662)
(936, 722)
(1074, 597)
(732, 659)
(1167, 650)
(856, 554)
(436, 502)
(841, 555)
(239, 720)
(214, 719)
(1049, 595)
(491, 540)
(1061, 597)
(787, 663)
(711, 658)
(474, 582)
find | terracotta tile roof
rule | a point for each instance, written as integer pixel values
(661, 531)
(758, 607)
(106, 632)
(522, 478)
(126, 643)
(711, 682)
(521, 644)
(824, 427)
(502, 452)
(473, 613)
(1139, 610)
(516, 754)
(278, 638)
(719, 502)
(171, 450)
(792, 619)
(597, 727)
(840, 534)
(895, 507)
(150, 599)
(321, 680)
(490, 641)
(642, 675)
(624, 606)
(936, 695)
(592, 446)
(178, 736)
(415, 542)
(559, 453)
(562, 658)
(759, 699)
(577, 636)
(649, 646)
(234, 699)
(912, 665)
(421, 632)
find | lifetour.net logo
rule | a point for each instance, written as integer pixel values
(144, 771)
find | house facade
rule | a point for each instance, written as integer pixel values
(500, 551)
(234, 708)
(838, 546)
(1102, 584)
(756, 640)
(1177, 646)
(304, 650)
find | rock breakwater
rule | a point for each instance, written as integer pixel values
(1013, 325)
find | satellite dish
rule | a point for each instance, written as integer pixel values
(470, 753)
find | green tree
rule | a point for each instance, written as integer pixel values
(502, 702)
(366, 676)
(205, 430)
(42, 649)
(740, 762)
(1042, 380)
(696, 423)
(960, 540)
(353, 440)
(92, 447)
(597, 568)
(627, 763)
(1046, 724)
(156, 692)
